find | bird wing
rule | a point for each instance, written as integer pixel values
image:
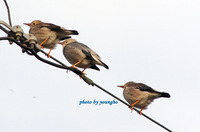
(57, 28)
(93, 55)
(88, 55)
(88, 52)
(143, 87)
(51, 26)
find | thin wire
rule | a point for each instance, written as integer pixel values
(53, 58)
(133, 107)
(8, 10)
(63, 66)
(32, 52)
(78, 72)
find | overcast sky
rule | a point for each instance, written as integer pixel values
(155, 42)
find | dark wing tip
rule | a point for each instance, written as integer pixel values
(95, 67)
(73, 32)
(106, 66)
(165, 95)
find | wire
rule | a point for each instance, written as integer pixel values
(8, 10)
(133, 108)
(32, 52)
(78, 72)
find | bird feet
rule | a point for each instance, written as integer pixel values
(49, 53)
(43, 43)
(83, 71)
(131, 106)
(76, 63)
(141, 111)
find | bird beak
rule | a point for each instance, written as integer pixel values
(28, 24)
(121, 86)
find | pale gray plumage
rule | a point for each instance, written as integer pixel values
(138, 91)
(53, 32)
(75, 52)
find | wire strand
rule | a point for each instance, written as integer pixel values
(78, 72)
(8, 10)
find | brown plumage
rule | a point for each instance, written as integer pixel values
(49, 34)
(140, 95)
(81, 55)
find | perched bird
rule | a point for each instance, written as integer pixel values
(81, 55)
(48, 34)
(140, 95)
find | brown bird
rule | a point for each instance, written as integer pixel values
(140, 95)
(49, 34)
(81, 55)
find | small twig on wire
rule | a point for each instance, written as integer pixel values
(8, 10)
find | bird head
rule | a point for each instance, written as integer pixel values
(67, 41)
(127, 84)
(33, 23)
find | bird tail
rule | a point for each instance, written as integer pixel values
(104, 65)
(95, 67)
(163, 94)
(72, 32)
(98, 61)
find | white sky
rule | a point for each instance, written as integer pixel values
(155, 42)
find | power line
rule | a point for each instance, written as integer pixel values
(29, 45)
(33, 52)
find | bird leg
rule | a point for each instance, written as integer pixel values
(76, 64)
(83, 71)
(43, 42)
(134, 104)
(50, 51)
(141, 111)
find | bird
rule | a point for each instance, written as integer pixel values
(80, 55)
(49, 34)
(140, 95)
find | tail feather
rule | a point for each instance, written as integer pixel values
(104, 65)
(163, 94)
(98, 61)
(72, 32)
(95, 67)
